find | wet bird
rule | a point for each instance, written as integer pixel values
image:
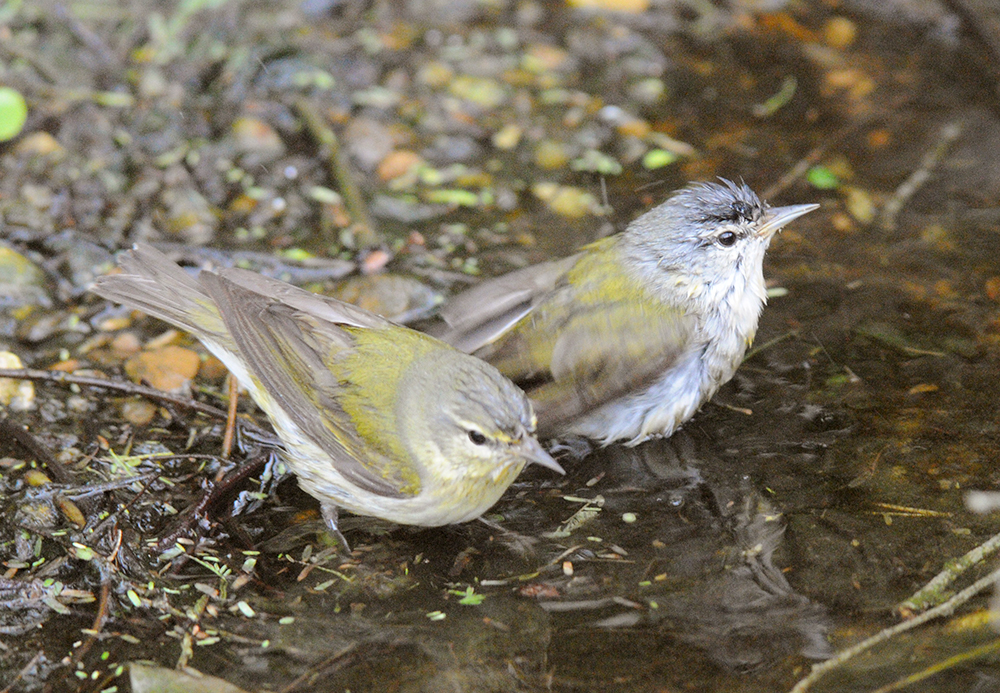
(375, 418)
(626, 339)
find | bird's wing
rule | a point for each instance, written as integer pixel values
(486, 311)
(322, 307)
(598, 354)
(288, 350)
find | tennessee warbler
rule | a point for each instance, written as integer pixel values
(375, 418)
(626, 339)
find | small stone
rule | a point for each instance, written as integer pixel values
(648, 91)
(138, 412)
(392, 296)
(375, 261)
(19, 395)
(550, 155)
(212, 369)
(566, 201)
(78, 404)
(189, 215)
(482, 91)
(508, 137)
(125, 344)
(250, 135)
(543, 58)
(22, 282)
(39, 143)
(992, 288)
(860, 204)
(398, 163)
(628, 6)
(169, 369)
(636, 127)
(435, 74)
(839, 32)
(368, 141)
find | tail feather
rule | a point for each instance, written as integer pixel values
(157, 286)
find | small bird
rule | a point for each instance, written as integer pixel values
(375, 418)
(626, 339)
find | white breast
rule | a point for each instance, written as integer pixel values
(727, 325)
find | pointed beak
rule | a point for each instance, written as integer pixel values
(779, 216)
(530, 449)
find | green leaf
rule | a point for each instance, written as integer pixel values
(822, 178)
(13, 113)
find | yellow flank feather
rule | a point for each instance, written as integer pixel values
(370, 374)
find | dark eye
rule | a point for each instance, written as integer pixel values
(477, 438)
(727, 238)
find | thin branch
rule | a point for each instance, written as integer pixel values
(118, 385)
(916, 180)
(945, 609)
(932, 591)
(365, 232)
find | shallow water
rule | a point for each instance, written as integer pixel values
(822, 486)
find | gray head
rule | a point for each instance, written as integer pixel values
(708, 239)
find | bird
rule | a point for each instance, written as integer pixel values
(375, 418)
(626, 339)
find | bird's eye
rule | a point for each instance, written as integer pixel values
(477, 438)
(727, 239)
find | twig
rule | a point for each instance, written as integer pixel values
(119, 385)
(234, 397)
(87, 37)
(214, 492)
(99, 619)
(27, 441)
(948, 663)
(769, 343)
(113, 517)
(24, 670)
(69, 664)
(811, 159)
(365, 232)
(945, 609)
(890, 210)
(931, 592)
(337, 658)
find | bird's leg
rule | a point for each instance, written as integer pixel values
(330, 516)
(576, 447)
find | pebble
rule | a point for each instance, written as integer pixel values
(138, 411)
(551, 155)
(19, 395)
(398, 163)
(839, 32)
(170, 368)
(394, 297)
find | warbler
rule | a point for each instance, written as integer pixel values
(626, 339)
(375, 418)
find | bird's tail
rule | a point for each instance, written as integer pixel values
(153, 283)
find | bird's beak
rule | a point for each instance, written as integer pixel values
(779, 216)
(530, 449)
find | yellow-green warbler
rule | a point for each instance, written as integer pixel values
(375, 418)
(629, 337)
